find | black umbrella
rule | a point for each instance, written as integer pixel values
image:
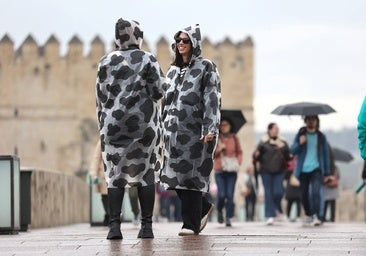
(235, 116)
(303, 109)
(342, 155)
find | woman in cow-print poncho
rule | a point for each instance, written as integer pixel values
(129, 84)
(191, 114)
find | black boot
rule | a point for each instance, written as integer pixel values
(115, 199)
(147, 199)
(105, 206)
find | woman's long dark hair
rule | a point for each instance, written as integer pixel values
(232, 128)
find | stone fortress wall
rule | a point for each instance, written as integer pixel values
(47, 106)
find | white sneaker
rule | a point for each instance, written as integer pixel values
(270, 221)
(186, 232)
(136, 220)
(205, 218)
(281, 217)
(307, 221)
(316, 222)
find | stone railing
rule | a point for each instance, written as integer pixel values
(58, 199)
(350, 206)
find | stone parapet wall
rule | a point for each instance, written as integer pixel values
(58, 199)
(351, 206)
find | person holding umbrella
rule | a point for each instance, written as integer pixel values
(228, 158)
(191, 114)
(312, 168)
(273, 154)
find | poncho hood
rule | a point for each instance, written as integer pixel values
(194, 33)
(128, 34)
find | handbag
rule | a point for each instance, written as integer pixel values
(230, 164)
(293, 181)
(332, 181)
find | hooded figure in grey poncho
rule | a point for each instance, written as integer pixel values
(191, 110)
(191, 114)
(129, 84)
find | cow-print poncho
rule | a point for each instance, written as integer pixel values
(191, 109)
(129, 84)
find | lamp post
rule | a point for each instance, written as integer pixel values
(9, 194)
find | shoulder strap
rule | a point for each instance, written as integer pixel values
(236, 145)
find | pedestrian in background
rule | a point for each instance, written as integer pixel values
(272, 153)
(361, 128)
(331, 190)
(249, 191)
(191, 113)
(312, 168)
(133, 195)
(98, 178)
(228, 158)
(164, 203)
(129, 84)
(292, 191)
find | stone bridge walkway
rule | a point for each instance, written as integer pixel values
(241, 239)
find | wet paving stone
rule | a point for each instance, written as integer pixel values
(242, 239)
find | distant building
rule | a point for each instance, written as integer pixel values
(47, 106)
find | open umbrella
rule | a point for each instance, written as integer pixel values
(303, 109)
(235, 116)
(342, 155)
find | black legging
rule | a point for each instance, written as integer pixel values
(298, 206)
(332, 205)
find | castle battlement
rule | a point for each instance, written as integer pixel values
(31, 49)
(47, 107)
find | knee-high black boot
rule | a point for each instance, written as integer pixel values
(115, 199)
(106, 210)
(147, 199)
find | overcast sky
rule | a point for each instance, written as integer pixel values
(311, 50)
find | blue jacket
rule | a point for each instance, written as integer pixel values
(323, 154)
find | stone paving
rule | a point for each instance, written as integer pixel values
(241, 239)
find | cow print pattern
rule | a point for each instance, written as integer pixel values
(191, 108)
(129, 84)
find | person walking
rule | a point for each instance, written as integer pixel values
(249, 191)
(98, 179)
(129, 84)
(191, 114)
(361, 128)
(133, 195)
(292, 191)
(331, 190)
(272, 153)
(228, 158)
(312, 168)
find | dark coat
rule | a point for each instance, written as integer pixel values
(273, 155)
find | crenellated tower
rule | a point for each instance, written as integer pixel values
(47, 107)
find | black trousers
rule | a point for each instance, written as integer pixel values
(298, 206)
(194, 207)
(250, 202)
(332, 205)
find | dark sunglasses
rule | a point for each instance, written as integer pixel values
(184, 40)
